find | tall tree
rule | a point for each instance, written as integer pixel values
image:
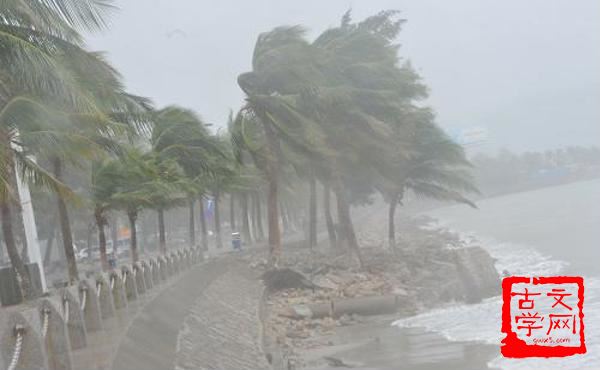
(437, 168)
(40, 45)
(180, 134)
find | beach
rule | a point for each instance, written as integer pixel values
(545, 232)
(456, 335)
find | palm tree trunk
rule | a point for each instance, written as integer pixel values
(333, 243)
(273, 218)
(50, 244)
(272, 169)
(192, 225)
(260, 232)
(101, 222)
(132, 216)
(254, 215)
(115, 233)
(287, 209)
(284, 220)
(162, 240)
(345, 220)
(65, 226)
(391, 222)
(11, 248)
(312, 214)
(245, 219)
(218, 236)
(232, 212)
(7, 167)
(203, 226)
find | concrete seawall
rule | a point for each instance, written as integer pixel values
(115, 320)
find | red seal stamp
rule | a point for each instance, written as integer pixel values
(542, 316)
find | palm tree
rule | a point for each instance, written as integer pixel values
(180, 134)
(281, 63)
(104, 186)
(437, 168)
(223, 179)
(167, 188)
(280, 109)
(37, 39)
(135, 184)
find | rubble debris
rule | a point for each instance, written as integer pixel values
(285, 278)
(317, 291)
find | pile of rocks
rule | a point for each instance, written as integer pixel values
(430, 267)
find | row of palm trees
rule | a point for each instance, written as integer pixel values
(64, 108)
(341, 111)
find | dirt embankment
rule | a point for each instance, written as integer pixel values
(429, 268)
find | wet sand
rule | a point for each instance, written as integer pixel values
(376, 344)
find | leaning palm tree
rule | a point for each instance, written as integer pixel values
(36, 38)
(105, 184)
(282, 67)
(437, 168)
(165, 187)
(69, 139)
(179, 134)
(133, 181)
(361, 92)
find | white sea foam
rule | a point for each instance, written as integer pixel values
(481, 322)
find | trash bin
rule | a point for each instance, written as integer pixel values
(236, 241)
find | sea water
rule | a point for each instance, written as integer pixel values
(546, 232)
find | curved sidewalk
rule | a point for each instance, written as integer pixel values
(206, 320)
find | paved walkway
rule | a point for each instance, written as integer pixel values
(208, 319)
(223, 329)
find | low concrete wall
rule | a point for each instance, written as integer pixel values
(42, 334)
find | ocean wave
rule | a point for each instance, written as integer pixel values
(481, 322)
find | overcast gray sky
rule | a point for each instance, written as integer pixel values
(528, 71)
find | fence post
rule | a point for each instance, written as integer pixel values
(73, 317)
(105, 297)
(147, 272)
(55, 336)
(90, 307)
(118, 290)
(138, 275)
(156, 271)
(22, 347)
(129, 284)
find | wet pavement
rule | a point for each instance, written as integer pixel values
(144, 335)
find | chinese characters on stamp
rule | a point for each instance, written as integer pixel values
(542, 317)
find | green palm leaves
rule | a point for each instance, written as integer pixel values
(42, 65)
(345, 104)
